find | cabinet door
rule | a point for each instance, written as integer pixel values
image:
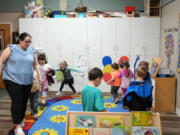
(152, 37)
(165, 94)
(122, 37)
(59, 40)
(93, 48)
(109, 38)
(79, 42)
(137, 36)
(59, 44)
(36, 28)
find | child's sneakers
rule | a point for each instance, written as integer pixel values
(35, 116)
(43, 100)
(116, 101)
(22, 124)
(19, 131)
(58, 93)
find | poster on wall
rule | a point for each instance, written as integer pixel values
(169, 46)
(178, 47)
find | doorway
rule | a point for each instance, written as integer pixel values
(5, 39)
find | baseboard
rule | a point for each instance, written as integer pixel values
(178, 111)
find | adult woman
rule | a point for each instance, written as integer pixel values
(19, 61)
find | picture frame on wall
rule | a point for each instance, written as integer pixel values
(156, 62)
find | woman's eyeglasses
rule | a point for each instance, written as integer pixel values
(28, 42)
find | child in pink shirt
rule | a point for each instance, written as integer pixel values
(126, 76)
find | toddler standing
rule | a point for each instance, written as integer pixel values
(45, 71)
(68, 78)
(115, 82)
(126, 76)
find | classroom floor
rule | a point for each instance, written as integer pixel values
(170, 121)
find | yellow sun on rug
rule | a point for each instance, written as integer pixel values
(76, 101)
(58, 118)
(110, 105)
(59, 108)
(46, 131)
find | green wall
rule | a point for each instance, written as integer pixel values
(106, 5)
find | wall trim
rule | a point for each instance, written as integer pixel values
(178, 111)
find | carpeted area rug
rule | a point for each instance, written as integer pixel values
(52, 120)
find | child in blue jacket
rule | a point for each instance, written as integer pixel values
(139, 93)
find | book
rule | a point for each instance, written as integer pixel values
(110, 121)
(101, 131)
(141, 118)
(118, 131)
(78, 131)
(85, 121)
(137, 130)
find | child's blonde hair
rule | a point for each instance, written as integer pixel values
(64, 63)
(145, 64)
(141, 71)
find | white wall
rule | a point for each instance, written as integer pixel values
(93, 38)
(12, 18)
(170, 15)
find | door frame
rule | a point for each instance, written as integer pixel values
(10, 41)
(10, 23)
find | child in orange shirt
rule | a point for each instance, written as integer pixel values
(115, 82)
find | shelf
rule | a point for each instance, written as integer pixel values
(152, 7)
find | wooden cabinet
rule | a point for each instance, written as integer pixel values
(165, 94)
(152, 7)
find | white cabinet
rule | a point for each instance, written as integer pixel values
(93, 38)
(108, 38)
(123, 27)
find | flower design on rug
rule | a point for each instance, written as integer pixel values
(46, 131)
(59, 108)
(58, 118)
(110, 105)
(76, 101)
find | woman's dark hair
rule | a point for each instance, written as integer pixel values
(22, 36)
(126, 65)
(95, 73)
(115, 66)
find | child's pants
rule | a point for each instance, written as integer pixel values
(114, 91)
(69, 82)
(34, 101)
(123, 92)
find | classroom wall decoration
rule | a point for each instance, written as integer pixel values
(107, 70)
(169, 46)
(178, 48)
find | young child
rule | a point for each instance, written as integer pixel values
(147, 78)
(92, 98)
(34, 95)
(45, 69)
(139, 94)
(126, 76)
(68, 78)
(115, 82)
